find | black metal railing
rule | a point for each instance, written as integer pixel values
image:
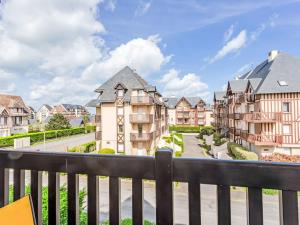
(162, 168)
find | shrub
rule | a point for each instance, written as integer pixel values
(90, 128)
(84, 148)
(63, 204)
(107, 151)
(241, 153)
(178, 154)
(185, 129)
(38, 137)
(218, 140)
(128, 221)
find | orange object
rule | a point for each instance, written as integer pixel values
(19, 212)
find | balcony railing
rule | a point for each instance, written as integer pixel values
(98, 119)
(163, 169)
(265, 139)
(141, 100)
(141, 118)
(181, 114)
(244, 134)
(98, 135)
(141, 136)
(263, 117)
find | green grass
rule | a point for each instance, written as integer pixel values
(128, 221)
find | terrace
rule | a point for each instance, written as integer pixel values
(263, 117)
(265, 139)
(164, 170)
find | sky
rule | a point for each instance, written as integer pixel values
(55, 51)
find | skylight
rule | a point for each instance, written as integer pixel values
(282, 83)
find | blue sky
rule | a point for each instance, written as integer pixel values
(58, 52)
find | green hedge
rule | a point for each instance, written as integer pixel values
(39, 136)
(185, 129)
(218, 139)
(128, 221)
(241, 153)
(90, 128)
(84, 148)
(107, 151)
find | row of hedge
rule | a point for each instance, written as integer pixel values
(218, 139)
(185, 129)
(241, 153)
(84, 148)
(39, 136)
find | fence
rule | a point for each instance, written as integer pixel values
(162, 168)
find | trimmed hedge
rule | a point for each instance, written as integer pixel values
(241, 153)
(107, 151)
(185, 129)
(90, 128)
(84, 148)
(39, 136)
(178, 154)
(218, 139)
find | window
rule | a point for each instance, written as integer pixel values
(282, 83)
(286, 107)
(140, 92)
(286, 129)
(120, 93)
(140, 129)
(121, 128)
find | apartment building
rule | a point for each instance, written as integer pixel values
(43, 113)
(191, 111)
(130, 114)
(14, 115)
(264, 106)
(70, 111)
(220, 113)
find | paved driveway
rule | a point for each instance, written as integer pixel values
(191, 147)
(64, 144)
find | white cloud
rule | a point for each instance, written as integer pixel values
(229, 32)
(188, 85)
(142, 9)
(263, 26)
(111, 5)
(232, 46)
(54, 48)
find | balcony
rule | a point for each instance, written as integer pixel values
(98, 119)
(163, 169)
(262, 117)
(141, 118)
(265, 140)
(141, 136)
(98, 135)
(244, 134)
(201, 115)
(181, 114)
(141, 100)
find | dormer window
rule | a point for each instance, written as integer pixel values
(120, 93)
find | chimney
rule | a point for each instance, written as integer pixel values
(272, 55)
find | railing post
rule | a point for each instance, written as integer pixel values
(164, 187)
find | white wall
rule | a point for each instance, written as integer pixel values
(109, 126)
(172, 116)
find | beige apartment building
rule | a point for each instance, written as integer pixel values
(70, 111)
(130, 114)
(191, 111)
(14, 115)
(264, 106)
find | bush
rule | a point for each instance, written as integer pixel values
(39, 137)
(184, 129)
(107, 151)
(84, 148)
(90, 128)
(241, 153)
(218, 139)
(178, 154)
(63, 204)
(128, 221)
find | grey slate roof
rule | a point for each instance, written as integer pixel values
(173, 101)
(238, 85)
(76, 122)
(72, 107)
(48, 107)
(219, 95)
(266, 76)
(128, 78)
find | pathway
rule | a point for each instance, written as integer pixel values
(191, 147)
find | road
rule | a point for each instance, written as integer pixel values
(191, 147)
(64, 144)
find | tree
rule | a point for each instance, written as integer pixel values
(86, 120)
(58, 122)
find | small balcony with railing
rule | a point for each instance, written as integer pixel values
(265, 139)
(141, 136)
(140, 118)
(141, 100)
(263, 117)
